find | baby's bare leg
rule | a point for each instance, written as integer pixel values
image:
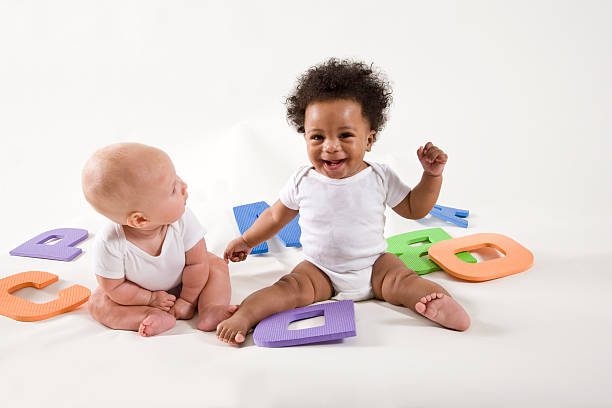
(306, 284)
(146, 320)
(393, 282)
(213, 303)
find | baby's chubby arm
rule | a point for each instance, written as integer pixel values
(125, 292)
(268, 224)
(421, 199)
(195, 276)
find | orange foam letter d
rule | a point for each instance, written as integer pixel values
(26, 311)
(517, 258)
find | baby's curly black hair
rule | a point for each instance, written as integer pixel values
(341, 79)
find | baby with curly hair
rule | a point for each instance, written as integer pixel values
(340, 106)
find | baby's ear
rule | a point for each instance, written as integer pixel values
(136, 219)
(371, 140)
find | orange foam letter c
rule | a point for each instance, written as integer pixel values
(26, 311)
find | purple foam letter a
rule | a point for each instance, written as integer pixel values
(339, 323)
(63, 250)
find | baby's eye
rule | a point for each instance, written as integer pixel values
(316, 137)
(345, 135)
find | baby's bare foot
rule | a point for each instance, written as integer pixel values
(212, 315)
(156, 322)
(443, 310)
(233, 330)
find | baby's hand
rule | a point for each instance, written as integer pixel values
(237, 250)
(432, 159)
(162, 300)
(182, 309)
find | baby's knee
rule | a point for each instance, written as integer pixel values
(217, 264)
(398, 280)
(99, 306)
(93, 305)
(298, 288)
(399, 275)
(407, 282)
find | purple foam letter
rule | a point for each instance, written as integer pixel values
(339, 323)
(62, 250)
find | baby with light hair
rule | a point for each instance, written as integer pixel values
(151, 260)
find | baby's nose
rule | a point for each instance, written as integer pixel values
(331, 145)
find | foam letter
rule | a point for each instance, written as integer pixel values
(450, 214)
(24, 310)
(517, 258)
(247, 214)
(290, 234)
(400, 245)
(61, 251)
(339, 323)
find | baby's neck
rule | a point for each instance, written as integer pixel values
(140, 234)
(149, 240)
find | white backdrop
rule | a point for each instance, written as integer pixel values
(519, 95)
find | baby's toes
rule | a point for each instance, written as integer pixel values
(229, 337)
(220, 332)
(239, 337)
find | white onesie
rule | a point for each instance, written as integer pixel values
(342, 222)
(115, 257)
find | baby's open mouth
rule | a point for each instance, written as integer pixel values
(333, 164)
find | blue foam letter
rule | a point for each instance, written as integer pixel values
(290, 234)
(247, 214)
(245, 217)
(450, 214)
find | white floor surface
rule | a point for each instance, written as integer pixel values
(519, 95)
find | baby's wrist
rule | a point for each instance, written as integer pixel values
(429, 174)
(245, 241)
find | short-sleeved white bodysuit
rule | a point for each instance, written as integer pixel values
(115, 257)
(342, 222)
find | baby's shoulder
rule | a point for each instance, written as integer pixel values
(302, 171)
(110, 232)
(187, 229)
(299, 174)
(187, 220)
(109, 239)
(379, 167)
(381, 170)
